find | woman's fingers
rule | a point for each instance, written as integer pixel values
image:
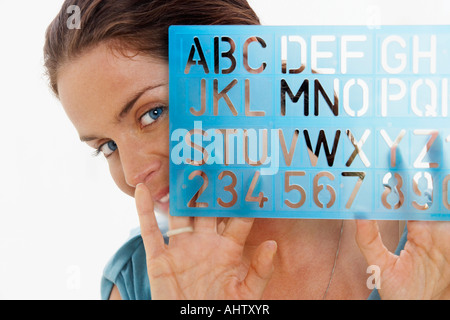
(237, 229)
(371, 245)
(176, 222)
(261, 268)
(151, 235)
(208, 224)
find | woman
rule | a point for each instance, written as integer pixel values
(111, 76)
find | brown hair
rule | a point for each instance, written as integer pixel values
(137, 25)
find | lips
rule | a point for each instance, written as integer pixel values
(162, 202)
(162, 199)
(165, 198)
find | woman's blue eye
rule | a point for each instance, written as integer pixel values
(108, 148)
(151, 116)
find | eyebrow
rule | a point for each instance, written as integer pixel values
(130, 104)
(127, 107)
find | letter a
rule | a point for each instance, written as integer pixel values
(74, 21)
(201, 61)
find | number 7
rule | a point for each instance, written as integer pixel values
(361, 176)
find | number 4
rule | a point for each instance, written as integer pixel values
(260, 198)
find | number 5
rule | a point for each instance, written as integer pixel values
(288, 188)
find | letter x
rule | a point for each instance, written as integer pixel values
(358, 148)
(250, 310)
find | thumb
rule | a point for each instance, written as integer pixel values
(261, 268)
(371, 245)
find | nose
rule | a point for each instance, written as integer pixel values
(138, 162)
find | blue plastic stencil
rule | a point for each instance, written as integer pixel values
(324, 122)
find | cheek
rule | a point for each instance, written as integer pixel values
(164, 138)
(119, 178)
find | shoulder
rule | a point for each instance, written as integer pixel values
(127, 270)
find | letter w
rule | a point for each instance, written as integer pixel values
(314, 156)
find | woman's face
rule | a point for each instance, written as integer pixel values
(119, 106)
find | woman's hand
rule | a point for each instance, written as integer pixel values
(421, 271)
(205, 263)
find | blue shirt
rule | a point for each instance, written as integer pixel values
(127, 269)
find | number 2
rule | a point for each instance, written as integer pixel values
(193, 202)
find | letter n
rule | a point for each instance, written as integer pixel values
(333, 106)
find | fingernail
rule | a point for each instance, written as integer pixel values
(272, 246)
(139, 186)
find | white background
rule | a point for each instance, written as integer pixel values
(61, 216)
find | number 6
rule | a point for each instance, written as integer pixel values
(318, 188)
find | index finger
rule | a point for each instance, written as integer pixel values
(150, 232)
